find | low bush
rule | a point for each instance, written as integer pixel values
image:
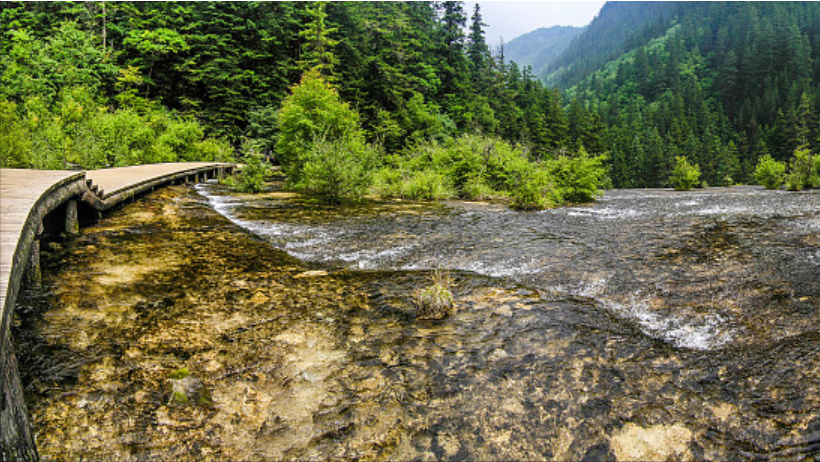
(426, 185)
(577, 178)
(770, 173)
(337, 170)
(685, 176)
(803, 172)
(476, 167)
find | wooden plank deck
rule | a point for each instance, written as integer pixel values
(119, 184)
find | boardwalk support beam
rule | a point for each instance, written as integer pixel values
(72, 224)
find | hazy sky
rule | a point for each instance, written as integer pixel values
(511, 19)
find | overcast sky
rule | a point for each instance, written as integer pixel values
(511, 19)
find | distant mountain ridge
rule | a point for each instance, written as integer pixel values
(617, 28)
(539, 48)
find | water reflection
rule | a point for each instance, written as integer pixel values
(640, 328)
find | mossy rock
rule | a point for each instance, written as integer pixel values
(189, 391)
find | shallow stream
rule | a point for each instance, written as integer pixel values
(651, 325)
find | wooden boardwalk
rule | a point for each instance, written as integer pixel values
(20, 193)
(118, 184)
(26, 198)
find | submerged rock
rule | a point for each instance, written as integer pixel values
(189, 390)
(658, 442)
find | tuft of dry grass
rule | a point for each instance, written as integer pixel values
(435, 301)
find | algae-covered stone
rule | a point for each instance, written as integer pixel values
(188, 390)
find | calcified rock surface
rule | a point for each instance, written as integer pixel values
(653, 325)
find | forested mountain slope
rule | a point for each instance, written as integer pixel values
(722, 83)
(540, 47)
(616, 28)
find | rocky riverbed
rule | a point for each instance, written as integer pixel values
(652, 325)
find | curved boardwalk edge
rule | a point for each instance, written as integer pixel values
(26, 198)
(21, 212)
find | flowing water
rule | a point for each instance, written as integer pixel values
(198, 324)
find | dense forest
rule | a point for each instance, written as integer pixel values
(428, 109)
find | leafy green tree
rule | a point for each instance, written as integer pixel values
(321, 144)
(154, 47)
(314, 111)
(43, 68)
(685, 176)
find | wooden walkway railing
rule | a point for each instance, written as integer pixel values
(26, 198)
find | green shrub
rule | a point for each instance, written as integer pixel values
(536, 190)
(313, 112)
(803, 172)
(475, 189)
(336, 170)
(577, 178)
(214, 150)
(427, 185)
(435, 301)
(684, 176)
(387, 182)
(769, 172)
(251, 177)
(15, 138)
(529, 196)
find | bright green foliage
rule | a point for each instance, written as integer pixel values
(54, 113)
(314, 111)
(46, 67)
(15, 142)
(685, 176)
(535, 191)
(337, 170)
(321, 145)
(577, 178)
(769, 172)
(720, 82)
(251, 178)
(803, 171)
(476, 167)
(426, 184)
(317, 48)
